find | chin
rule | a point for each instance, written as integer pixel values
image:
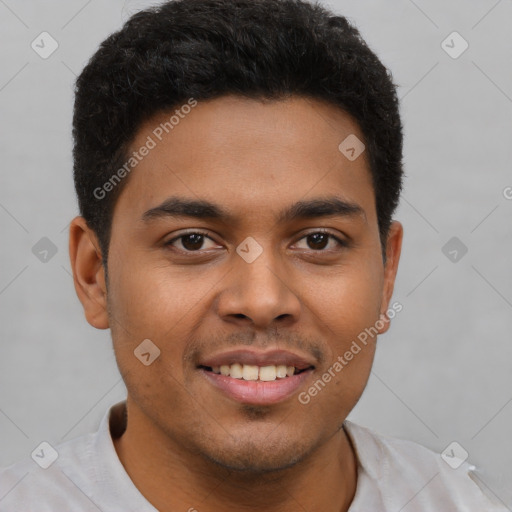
(258, 456)
(254, 463)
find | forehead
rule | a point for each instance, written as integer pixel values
(252, 156)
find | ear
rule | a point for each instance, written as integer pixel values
(393, 250)
(88, 272)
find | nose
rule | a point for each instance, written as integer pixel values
(259, 294)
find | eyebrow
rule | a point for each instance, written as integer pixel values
(202, 209)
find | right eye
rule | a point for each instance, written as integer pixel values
(192, 241)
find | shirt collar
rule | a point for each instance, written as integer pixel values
(369, 452)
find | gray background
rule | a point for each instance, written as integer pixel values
(442, 373)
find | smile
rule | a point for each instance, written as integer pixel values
(254, 372)
(257, 378)
(257, 392)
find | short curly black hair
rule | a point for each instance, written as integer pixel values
(203, 49)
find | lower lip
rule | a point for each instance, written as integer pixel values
(255, 391)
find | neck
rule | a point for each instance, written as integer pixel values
(171, 478)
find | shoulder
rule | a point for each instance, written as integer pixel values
(84, 473)
(407, 473)
(47, 479)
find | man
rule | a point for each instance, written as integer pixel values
(237, 165)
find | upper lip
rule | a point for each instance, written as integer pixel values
(251, 357)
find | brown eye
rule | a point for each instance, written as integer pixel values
(191, 242)
(319, 241)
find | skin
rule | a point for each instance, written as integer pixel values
(187, 445)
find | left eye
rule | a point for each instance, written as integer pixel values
(319, 241)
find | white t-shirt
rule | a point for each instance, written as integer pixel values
(85, 474)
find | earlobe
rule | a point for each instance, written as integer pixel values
(393, 250)
(88, 272)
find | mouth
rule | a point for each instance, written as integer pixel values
(250, 372)
(257, 378)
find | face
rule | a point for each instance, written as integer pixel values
(246, 244)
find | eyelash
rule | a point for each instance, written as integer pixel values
(339, 241)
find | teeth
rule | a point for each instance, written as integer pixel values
(250, 372)
(281, 371)
(236, 371)
(268, 373)
(253, 372)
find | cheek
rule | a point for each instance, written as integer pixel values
(156, 297)
(349, 307)
(160, 304)
(349, 301)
